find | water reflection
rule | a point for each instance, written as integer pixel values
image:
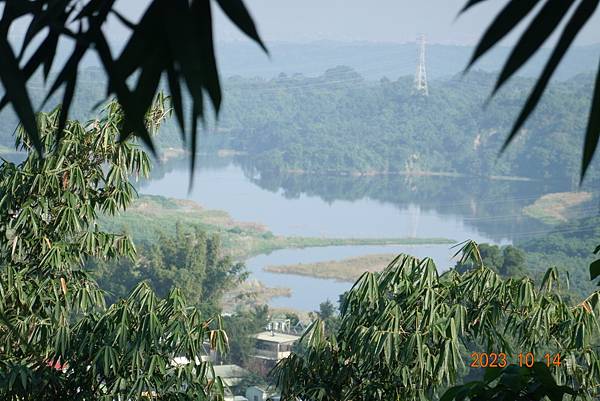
(309, 292)
(381, 206)
(378, 206)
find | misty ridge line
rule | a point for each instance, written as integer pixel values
(372, 60)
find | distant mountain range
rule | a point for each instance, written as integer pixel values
(372, 60)
(375, 60)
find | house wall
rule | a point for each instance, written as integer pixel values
(255, 394)
(261, 366)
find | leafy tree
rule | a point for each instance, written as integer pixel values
(326, 310)
(371, 128)
(294, 318)
(512, 383)
(402, 332)
(155, 49)
(58, 339)
(491, 255)
(513, 261)
(508, 261)
(240, 327)
(569, 246)
(328, 314)
(173, 38)
(190, 260)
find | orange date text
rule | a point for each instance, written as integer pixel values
(502, 360)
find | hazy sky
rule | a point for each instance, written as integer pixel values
(367, 20)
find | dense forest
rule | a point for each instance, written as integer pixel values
(341, 123)
(89, 313)
(569, 247)
(190, 260)
(463, 309)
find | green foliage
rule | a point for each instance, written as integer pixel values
(172, 39)
(569, 247)
(58, 339)
(402, 332)
(508, 261)
(190, 260)
(329, 315)
(379, 128)
(189, 65)
(548, 18)
(371, 126)
(240, 327)
(512, 383)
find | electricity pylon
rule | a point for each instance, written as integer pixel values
(421, 75)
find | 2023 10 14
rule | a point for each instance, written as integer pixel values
(502, 360)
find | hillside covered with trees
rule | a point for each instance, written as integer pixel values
(504, 317)
(339, 123)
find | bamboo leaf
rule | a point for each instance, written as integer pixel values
(470, 4)
(593, 129)
(16, 92)
(175, 89)
(239, 15)
(513, 13)
(595, 269)
(542, 26)
(584, 11)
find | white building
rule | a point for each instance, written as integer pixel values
(231, 375)
(234, 398)
(270, 348)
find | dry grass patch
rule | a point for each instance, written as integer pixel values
(343, 270)
(558, 207)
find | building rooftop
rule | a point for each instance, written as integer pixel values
(227, 371)
(275, 337)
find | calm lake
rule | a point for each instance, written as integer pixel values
(459, 209)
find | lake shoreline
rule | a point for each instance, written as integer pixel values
(557, 208)
(150, 215)
(310, 220)
(405, 174)
(241, 240)
(169, 154)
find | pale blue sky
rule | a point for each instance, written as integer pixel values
(366, 20)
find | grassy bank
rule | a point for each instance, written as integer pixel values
(559, 207)
(150, 215)
(348, 269)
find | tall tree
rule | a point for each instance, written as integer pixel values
(58, 340)
(403, 331)
(189, 260)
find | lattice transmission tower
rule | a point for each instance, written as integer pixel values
(421, 75)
